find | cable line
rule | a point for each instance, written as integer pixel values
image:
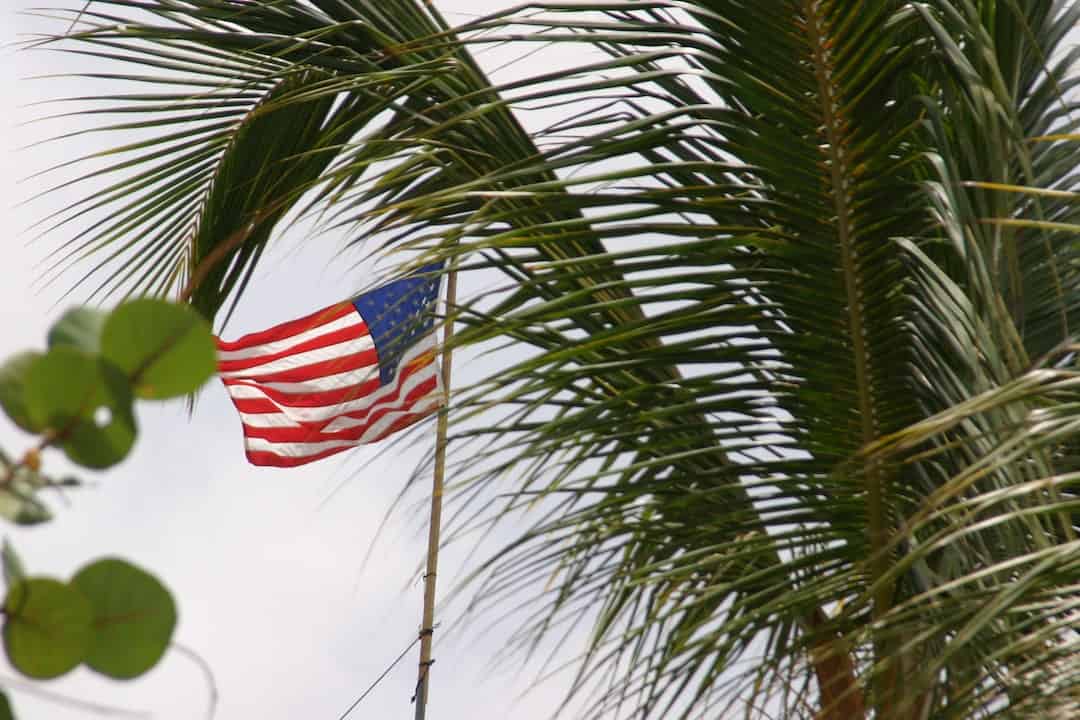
(379, 679)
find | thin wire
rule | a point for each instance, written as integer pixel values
(73, 702)
(208, 672)
(380, 678)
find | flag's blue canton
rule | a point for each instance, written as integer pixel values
(399, 313)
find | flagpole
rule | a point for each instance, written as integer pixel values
(427, 625)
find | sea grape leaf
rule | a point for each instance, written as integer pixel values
(134, 617)
(48, 627)
(166, 350)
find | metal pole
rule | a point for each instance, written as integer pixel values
(427, 626)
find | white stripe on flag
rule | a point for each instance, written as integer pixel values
(344, 422)
(270, 348)
(321, 413)
(315, 446)
(349, 378)
(293, 450)
(290, 362)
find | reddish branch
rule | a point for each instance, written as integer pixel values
(841, 697)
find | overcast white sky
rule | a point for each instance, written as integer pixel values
(265, 564)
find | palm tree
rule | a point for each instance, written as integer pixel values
(791, 288)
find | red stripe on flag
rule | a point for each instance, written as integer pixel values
(265, 458)
(333, 338)
(288, 329)
(311, 432)
(400, 425)
(312, 371)
(325, 397)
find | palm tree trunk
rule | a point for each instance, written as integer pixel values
(841, 696)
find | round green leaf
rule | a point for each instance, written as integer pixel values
(86, 402)
(80, 328)
(48, 627)
(166, 350)
(13, 389)
(134, 617)
(6, 713)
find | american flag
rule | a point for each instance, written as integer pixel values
(346, 375)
